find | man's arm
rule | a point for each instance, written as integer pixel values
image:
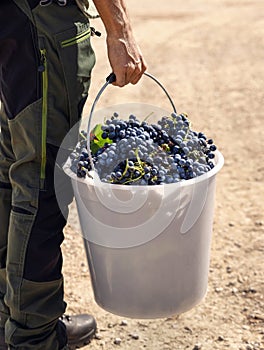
(124, 54)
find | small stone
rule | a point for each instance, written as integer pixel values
(246, 327)
(98, 336)
(231, 224)
(117, 341)
(249, 347)
(234, 290)
(103, 329)
(124, 323)
(197, 347)
(231, 284)
(218, 289)
(220, 338)
(250, 290)
(188, 329)
(257, 316)
(134, 336)
(110, 325)
(141, 324)
(240, 279)
(228, 269)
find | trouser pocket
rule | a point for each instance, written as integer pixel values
(78, 59)
(67, 61)
(25, 171)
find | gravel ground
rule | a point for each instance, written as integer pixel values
(209, 54)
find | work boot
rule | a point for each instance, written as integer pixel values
(80, 329)
(3, 345)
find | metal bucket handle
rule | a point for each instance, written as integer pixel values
(109, 80)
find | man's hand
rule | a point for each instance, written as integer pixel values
(126, 60)
(124, 55)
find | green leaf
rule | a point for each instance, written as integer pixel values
(96, 140)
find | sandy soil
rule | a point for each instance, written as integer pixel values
(209, 54)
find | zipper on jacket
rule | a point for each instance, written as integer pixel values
(77, 39)
(43, 69)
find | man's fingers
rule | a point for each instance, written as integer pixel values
(120, 77)
(137, 74)
(130, 73)
(134, 72)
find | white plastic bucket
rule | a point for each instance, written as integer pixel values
(148, 247)
(162, 271)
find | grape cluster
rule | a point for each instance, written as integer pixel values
(138, 153)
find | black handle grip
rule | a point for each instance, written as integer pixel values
(111, 78)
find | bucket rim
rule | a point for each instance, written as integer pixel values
(184, 183)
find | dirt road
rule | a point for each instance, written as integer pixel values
(210, 55)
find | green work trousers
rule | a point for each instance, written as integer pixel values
(46, 61)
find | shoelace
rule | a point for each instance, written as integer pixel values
(66, 318)
(48, 2)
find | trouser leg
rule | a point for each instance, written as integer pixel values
(5, 208)
(31, 284)
(6, 159)
(34, 289)
(32, 298)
